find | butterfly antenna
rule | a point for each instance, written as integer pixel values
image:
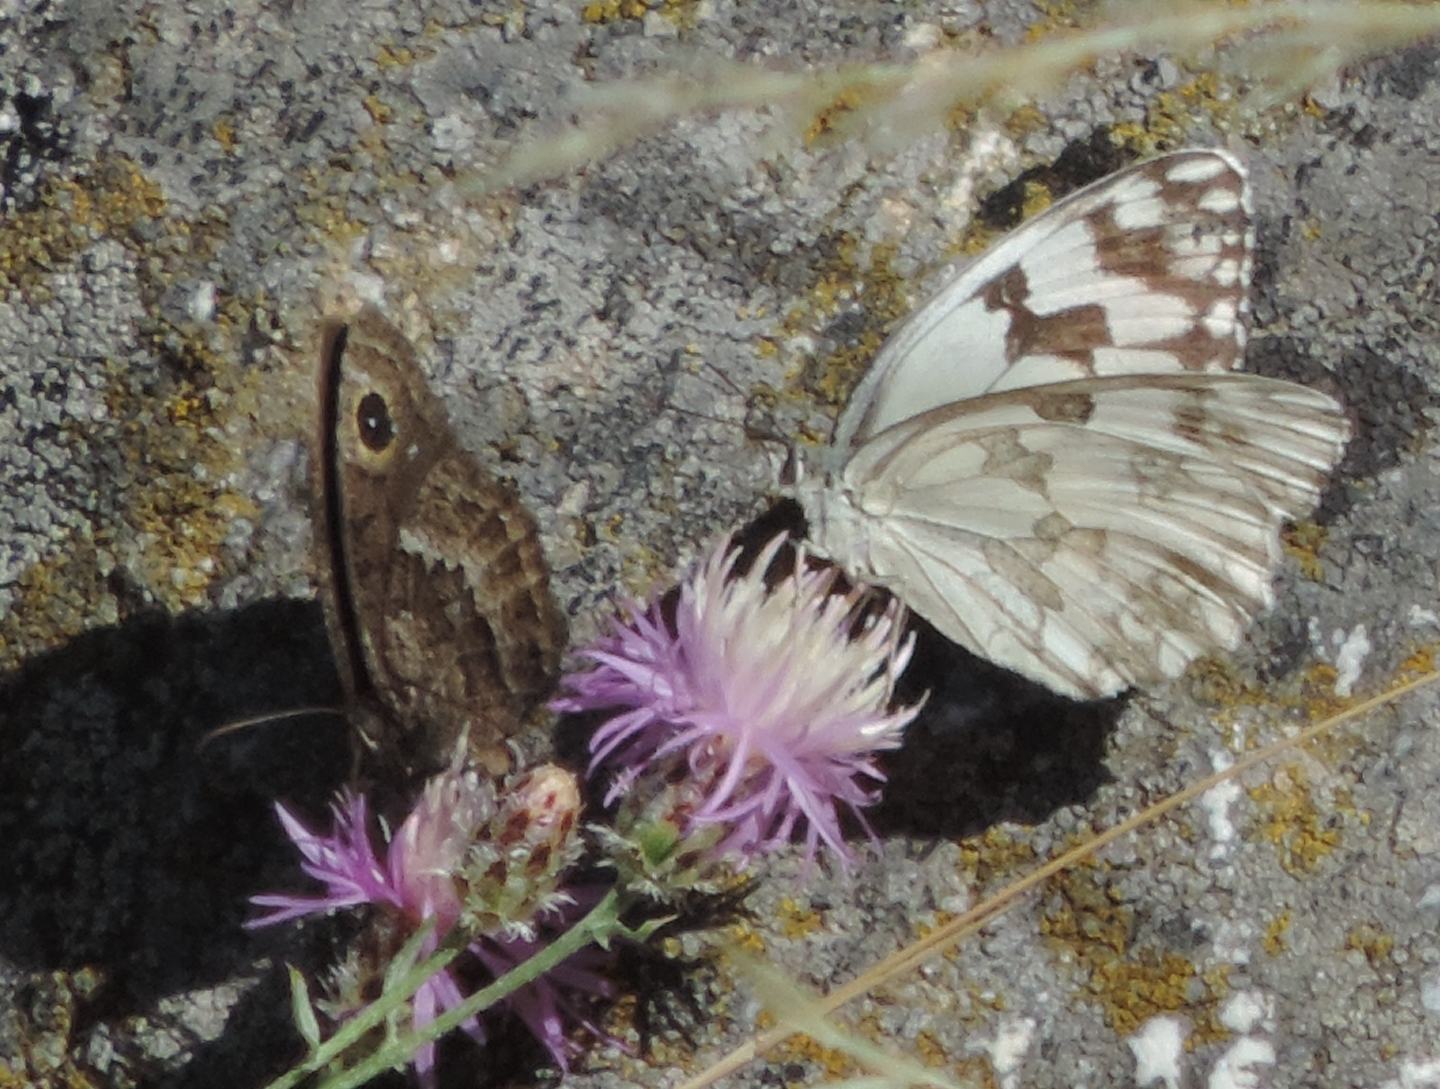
(267, 719)
(754, 434)
(749, 430)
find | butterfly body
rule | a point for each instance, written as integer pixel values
(1053, 460)
(436, 588)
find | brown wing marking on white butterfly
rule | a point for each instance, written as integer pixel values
(1144, 272)
(1094, 534)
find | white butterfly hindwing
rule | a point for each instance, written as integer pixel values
(1053, 461)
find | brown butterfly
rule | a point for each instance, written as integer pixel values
(436, 591)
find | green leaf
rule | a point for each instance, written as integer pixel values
(637, 934)
(408, 956)
(302, 1010)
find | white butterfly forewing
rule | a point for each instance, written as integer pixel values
(1143, 272)
(1052, 460)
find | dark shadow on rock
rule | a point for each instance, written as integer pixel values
(128, 847)
(988, 746)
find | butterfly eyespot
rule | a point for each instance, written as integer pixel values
(372, 417)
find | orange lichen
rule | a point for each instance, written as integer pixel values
(599, 12)
(832, 1061)
(1420, 663)
(840, 281)
(746, 938)
(829, 126)
(994, 855)
(1290, 820)
(380, 111)
(796, 920)
(1303, 541)
(1274, 943)
(1086, 916)
(67, 217)
(1374, 943)
(170, 429)
(224, 132)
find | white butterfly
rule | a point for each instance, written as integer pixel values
(1053, 459)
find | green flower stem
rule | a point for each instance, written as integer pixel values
(600, 925)
(354, 1028)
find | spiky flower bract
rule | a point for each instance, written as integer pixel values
(456, 847)
(775, 699)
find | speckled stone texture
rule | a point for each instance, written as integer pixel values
(187, 187)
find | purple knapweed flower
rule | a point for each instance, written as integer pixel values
(426, 873)
(774, 699)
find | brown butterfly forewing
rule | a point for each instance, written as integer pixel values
(436, 591)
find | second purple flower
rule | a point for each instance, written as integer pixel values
(772, 700)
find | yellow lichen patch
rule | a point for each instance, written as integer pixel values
(1133, 990)
(832, 1061)
(931, 1051)
(1274, 943)
(1207, 1027)
(1172, 115)
(389, 56)
(939, 919)
(985, 999)
(1085, 916)
(1056, 15)
(1371, 941)
(843, 279)
(326, 211)
(1343, 800)
(979, 236)
(612, 527)
(1037, 198)
(642, 570)
(798, 921)
(829, 125)
(960, 118)
(970, 1070)
(172, 512)
(609, 11)
(994, 855)
(976, 240)
(1306, 695)
(1302, 541)
(178, 512)
(1026, 119)
(47, 1030)
(380, 112)
(1291, 822)
(1420, 663)
(70, 215)
(619, 1016)
(680, 12)
(55, 599)
(1317, 691)
(746, 938)
(1213, 681)
(224, 133)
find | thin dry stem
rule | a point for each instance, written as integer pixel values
(1281, 43)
